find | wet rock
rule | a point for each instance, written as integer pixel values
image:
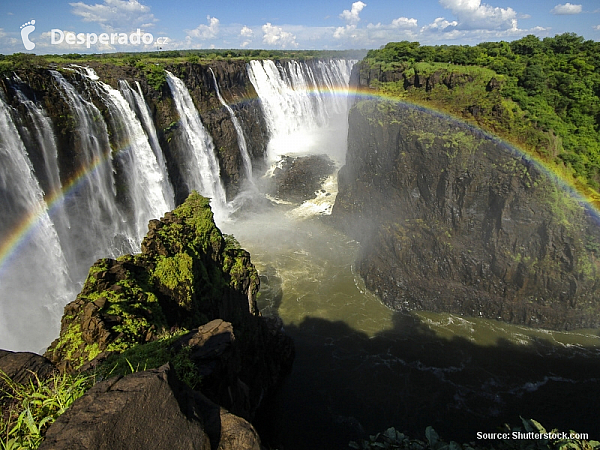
(296, 179)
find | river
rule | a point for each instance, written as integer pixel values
(361, 368)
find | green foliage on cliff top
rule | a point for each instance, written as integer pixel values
(9, 63)
(542, 95)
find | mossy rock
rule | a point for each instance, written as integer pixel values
(186, 275)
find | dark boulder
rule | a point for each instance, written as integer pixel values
(151, 409)
(21, 367)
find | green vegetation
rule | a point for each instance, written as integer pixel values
(176, 273)
(16, 61)
(510, 439)
(152, 355)
(156, 76)
(29, 409)
(131, 303)
(542, 95)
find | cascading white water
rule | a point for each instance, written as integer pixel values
(147, 185)
(240, 132)
(42, 140)
(202, 171)
(34, 284)
(305, 106)
(137, 102)
(98, 227)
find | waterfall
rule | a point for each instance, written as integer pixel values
(148, 186)
(201, 171)
(42, 139)
(34, 284)
(37, 129)
(305, 106)
(138, 104)
(113, 176)
(240, 133)
(98, 226)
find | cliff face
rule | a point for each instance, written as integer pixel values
(450, 220)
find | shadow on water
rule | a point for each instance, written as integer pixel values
(346, 385)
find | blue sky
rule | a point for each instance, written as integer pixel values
(270, 24)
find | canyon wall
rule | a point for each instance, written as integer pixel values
(451, 220)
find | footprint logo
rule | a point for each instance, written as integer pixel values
(26, 30)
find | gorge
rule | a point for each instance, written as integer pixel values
(438, 216)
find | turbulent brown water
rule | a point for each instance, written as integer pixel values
(361, 368)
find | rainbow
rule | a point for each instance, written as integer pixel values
(27, 226)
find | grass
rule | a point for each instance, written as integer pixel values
(29, 409)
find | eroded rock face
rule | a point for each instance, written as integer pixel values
(450, 220)
(150, 409)
(185, 276)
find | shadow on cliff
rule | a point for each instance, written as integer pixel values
(346, 385)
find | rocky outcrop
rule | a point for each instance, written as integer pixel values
(21, 367)
(452, 220)
(151, 409)
(296, 179)
(187, 274)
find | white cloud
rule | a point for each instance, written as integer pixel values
(439, 24)
(473, 15)
(209, 31)
(597, 27)
(246, 32)
(565, 9)
(352, 16)
(344, 32)
(116, 15)
(274, 35)
(2, 32)
(404, 22)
